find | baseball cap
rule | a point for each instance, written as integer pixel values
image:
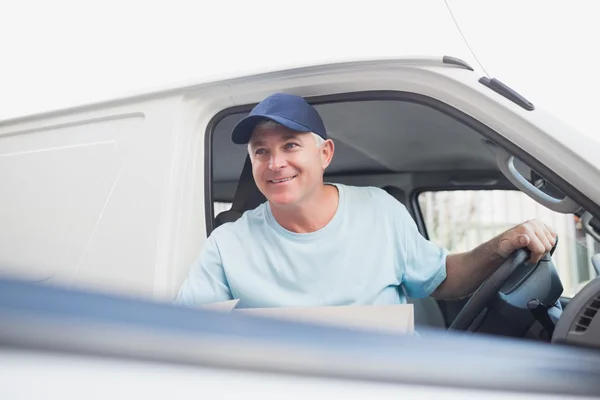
(289, 110)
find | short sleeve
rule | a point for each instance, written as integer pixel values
(206, 282)
(422, 263)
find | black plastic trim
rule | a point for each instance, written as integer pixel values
(413, 200)
(456, 61)
(436, 104)
(507, 92)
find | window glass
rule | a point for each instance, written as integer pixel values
(220, 207)
(461, 220)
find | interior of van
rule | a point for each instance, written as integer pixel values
(441, 165)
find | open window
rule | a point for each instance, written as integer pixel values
(382, 139)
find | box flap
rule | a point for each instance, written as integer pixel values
(388, 318)
(225, 306)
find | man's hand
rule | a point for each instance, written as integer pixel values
(466, 271)
(538, 237)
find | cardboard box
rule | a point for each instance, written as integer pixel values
(397, 319)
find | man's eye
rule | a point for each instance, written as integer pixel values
(260, 151)
(290, 145)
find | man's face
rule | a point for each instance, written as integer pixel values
(287, 165)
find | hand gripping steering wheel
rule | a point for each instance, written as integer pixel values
(487, 291)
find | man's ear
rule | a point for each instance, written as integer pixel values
(327, 150)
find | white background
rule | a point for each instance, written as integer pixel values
(64, 53)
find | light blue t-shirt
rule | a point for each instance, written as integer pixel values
(368, 252)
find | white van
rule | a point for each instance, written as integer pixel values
(118, 197)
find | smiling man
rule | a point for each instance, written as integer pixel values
(318, 244)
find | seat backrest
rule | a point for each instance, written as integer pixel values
(247, 197)
(227, 216)
(396, 193)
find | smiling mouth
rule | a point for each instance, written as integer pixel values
(283, 180)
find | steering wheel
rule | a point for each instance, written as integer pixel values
(487, 291)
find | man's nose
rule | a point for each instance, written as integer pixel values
(277, 161)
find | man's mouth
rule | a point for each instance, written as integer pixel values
(282, 180)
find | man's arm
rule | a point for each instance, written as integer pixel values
(467, 271)
(206, 282)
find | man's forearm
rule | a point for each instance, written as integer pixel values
(465, 272)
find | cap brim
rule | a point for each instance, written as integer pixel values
(243, 130)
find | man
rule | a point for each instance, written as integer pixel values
(318, 244)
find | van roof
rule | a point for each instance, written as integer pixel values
(282, 70)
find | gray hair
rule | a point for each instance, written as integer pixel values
(270, 124)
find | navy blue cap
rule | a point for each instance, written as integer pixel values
(289, 110)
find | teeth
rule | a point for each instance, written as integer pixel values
(282, 180)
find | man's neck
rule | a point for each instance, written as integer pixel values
(313, 214)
